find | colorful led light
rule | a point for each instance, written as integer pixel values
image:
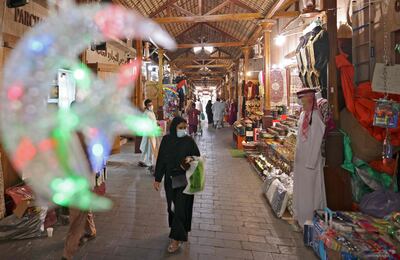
(40, 44)
(142, 126)
(82, 76)
(128, 73)
(15, 92)
(25, 152)
(56, 43)
(98, 150)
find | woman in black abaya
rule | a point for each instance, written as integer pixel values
(209, 112)
(172, 162)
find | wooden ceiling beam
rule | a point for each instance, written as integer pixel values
(205, 75)
(218, 7)
(211, 58)
(275, 8)
(182, 10)
(203, 66)
(286, 5)
(200, 7)
(286, 14)
(243, 5)
(222, 31)
(209, 44)
(209, 18)
(162, 8)
(186, 30)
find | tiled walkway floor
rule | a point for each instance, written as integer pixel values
(231, 219)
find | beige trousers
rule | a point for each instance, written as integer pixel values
(80, 221)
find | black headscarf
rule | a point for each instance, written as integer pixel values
(174, 125)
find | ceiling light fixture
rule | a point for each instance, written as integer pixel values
(197, 49)
(280, 40)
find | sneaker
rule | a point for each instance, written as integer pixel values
(142, 164)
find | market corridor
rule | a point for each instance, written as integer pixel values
(232, 220)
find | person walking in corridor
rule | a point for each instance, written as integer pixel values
(209, 112)
(148, 142)
(218, 113)
(193, 119)
(173, 160)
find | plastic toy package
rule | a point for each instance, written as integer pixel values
(386, 114)
(330, 237)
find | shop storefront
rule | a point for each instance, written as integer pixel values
(304, 55)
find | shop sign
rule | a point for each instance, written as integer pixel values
(19, 20)
(26, 18)
(111, 55)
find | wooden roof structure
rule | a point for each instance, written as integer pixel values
(226, 25)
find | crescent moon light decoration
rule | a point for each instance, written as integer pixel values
(43, 145)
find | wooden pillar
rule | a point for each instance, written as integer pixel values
(139, 84)
(246, 54)
(267, 28)
(333, 95)
(160, 76)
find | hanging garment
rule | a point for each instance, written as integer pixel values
(360, 101)
(233, 113)
(2, 204)
(309, 185)
(318, 49)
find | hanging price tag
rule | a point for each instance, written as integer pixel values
(386, 114)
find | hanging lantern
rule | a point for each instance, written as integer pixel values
(146, 52)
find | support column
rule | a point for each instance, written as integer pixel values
(246, 54)
(139, 84)
(266, 29)
(160, 76)
(333, 98)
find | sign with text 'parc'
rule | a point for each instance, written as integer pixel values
(18, 21)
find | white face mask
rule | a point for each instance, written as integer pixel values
(181, 133)
(151, 108)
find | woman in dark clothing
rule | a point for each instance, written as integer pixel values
(172, 162)
(209, 112)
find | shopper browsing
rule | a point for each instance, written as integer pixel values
(172, 167)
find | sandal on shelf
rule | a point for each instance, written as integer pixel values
(172, 248)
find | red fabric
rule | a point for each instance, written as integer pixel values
(181, 84)
(360, 101)
(380, 166)
(20, 193)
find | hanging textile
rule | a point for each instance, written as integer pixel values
(360, 101)
(312, 56)
(2, 204)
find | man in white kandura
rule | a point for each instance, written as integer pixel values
(148, 142)
(218, 109)
(309, 185)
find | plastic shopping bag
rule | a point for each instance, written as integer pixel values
(195, 177)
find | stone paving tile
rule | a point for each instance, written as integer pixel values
(231, 218)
